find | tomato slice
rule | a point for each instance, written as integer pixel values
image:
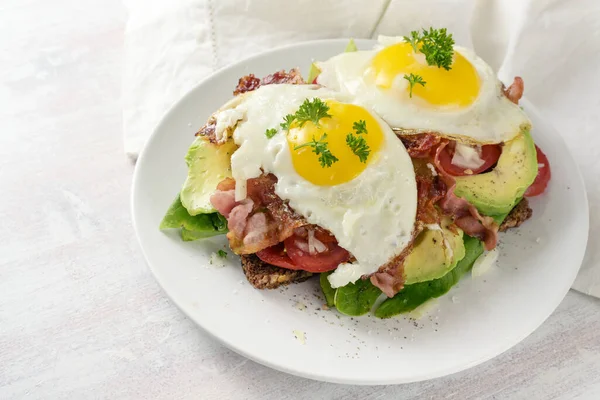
(489, 154)
(543, 176)
(293, 253)
(276, 255)
(296, 247)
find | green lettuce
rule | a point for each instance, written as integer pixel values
(193, 227)
(356, 298)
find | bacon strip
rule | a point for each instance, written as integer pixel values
(259, 221)
(421, 145)
(515, 91)
(390, 277)
(465, 215)
(250, 82)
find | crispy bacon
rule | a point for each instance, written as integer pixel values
(430, 190)
(250, 82)
(247, 83)
(421, 145)
(465, 215)
(515, 91)
(390, 276)
(259, 221)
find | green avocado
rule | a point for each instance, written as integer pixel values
(498, 191)
(436, 252)
(350, 47)
(208, 164)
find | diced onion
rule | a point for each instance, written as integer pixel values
(466, 156)
(314, 244)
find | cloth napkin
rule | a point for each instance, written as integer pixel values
(171, 45)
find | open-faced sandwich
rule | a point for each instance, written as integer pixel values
(388, 173)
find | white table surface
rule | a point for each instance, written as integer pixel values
(80, 314)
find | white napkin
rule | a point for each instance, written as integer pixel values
(171, 45)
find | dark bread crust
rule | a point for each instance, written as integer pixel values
(519, 214)
(266, 276)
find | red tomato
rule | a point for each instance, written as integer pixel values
(276, 255)
(314, 82)
(543, 176)
(290, 254)
(489, 154)
(327, 260)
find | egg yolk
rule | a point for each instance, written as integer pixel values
(337, 127)
(457, 87)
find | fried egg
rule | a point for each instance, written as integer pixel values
(368, 204)
(464, 103)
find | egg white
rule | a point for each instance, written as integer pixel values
(372, 216)
(492, 118)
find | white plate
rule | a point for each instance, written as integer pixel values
(479, 319)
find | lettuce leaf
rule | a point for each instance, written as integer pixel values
(328, 291)
(193, 227)
(356, 298)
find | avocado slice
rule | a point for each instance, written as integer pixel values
(412, 296)
(313, 72)
(436, 252)
(350, 47)
(498, 191)
(208, 164)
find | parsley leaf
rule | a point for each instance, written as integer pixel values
(413, 80)
(320, 148)
(287, 122)
(360, 127)
(436, 45)
(222, 253)
(414, 40)
(312, 110)
(270, 132)
(359, 146)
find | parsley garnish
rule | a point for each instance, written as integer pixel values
(287, 122)
(413, 80)
(222, 253)
(311, 110)
(359, 146)
(414, 40)
(360, 127)
(270, 132)
(320, 148)
(357, 143)
(436, 44)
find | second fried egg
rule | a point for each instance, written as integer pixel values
(465, 102)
